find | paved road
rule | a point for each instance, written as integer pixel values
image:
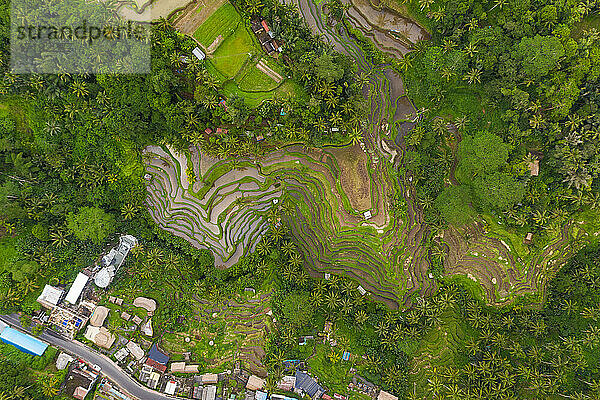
(109, 368)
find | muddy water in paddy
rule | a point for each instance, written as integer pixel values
(387, 21)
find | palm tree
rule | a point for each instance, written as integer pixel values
(275, 358)
(254, 6)
(361, 317)
(447, 74)
(79, 88)
(448, 45)
(499, 4)
(472, 24)
(163, 24)
(263, 248)
(382, 328)
(540, 218)
(316, 299)
(356, 136)
(331, 301)
(277, 233)
(471, 49)
(461, 122)
(426, 202)
(473, 76)
(423, 4)
(537, 121)
(289, 273)
(288, 248)
(28, 286)
(128, 211)
(49, 385)
(288, 338)
(405, 63)
(155, 256)
(346, 304)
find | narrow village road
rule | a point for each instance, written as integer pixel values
(111, 370)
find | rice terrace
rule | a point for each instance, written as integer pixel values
(302, 199)
(340, 199)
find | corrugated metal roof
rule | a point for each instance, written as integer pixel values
(77, 288)
(307, 383)
(26, 343)
(155, 354)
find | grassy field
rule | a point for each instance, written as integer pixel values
(223, 22)
(254, 80)
(233, 53)
(234, 61)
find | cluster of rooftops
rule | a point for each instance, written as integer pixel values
(70, 312)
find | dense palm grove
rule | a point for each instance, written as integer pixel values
(527, 73)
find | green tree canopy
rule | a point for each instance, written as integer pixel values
(498, 190)
(91, 223)
(453, 204)
(21, 269)
(298, 310)
(484, 152)
(539, 54)
(327, 69)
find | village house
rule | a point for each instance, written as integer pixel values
(157, 359)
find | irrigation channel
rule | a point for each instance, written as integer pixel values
(330, 190)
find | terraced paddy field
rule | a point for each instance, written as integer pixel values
(331, 189)
(226, 330)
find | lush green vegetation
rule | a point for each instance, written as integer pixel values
(499, 87)
(222, 22)
(524, 75)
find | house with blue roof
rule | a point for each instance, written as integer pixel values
(306, 384)
(26, 343)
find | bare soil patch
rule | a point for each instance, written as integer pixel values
(195, 14)
(354, 177)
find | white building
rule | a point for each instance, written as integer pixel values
(77, 288)
(112, 261)
(50, 296)
(199, 53)
(171, 387)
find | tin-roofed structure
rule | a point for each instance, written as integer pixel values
(307, 384)
(50, 296)
(26, 343)
(157, 359)
(199, 53)
(77, 288)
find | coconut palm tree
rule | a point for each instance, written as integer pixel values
(289, 273)
(128, 211)
(405, 63)
(316, 299)
(499, 4)
(356, 136)
(425, 4)
(288, 338)
(461, 122)
(447, 74)
(473, 76)
(155, 256)
(361, 317)
(346, 306)
(27, 286)
(49, 385)
(288, 248)
(254, 6)
(331, 301)
(263, 248)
